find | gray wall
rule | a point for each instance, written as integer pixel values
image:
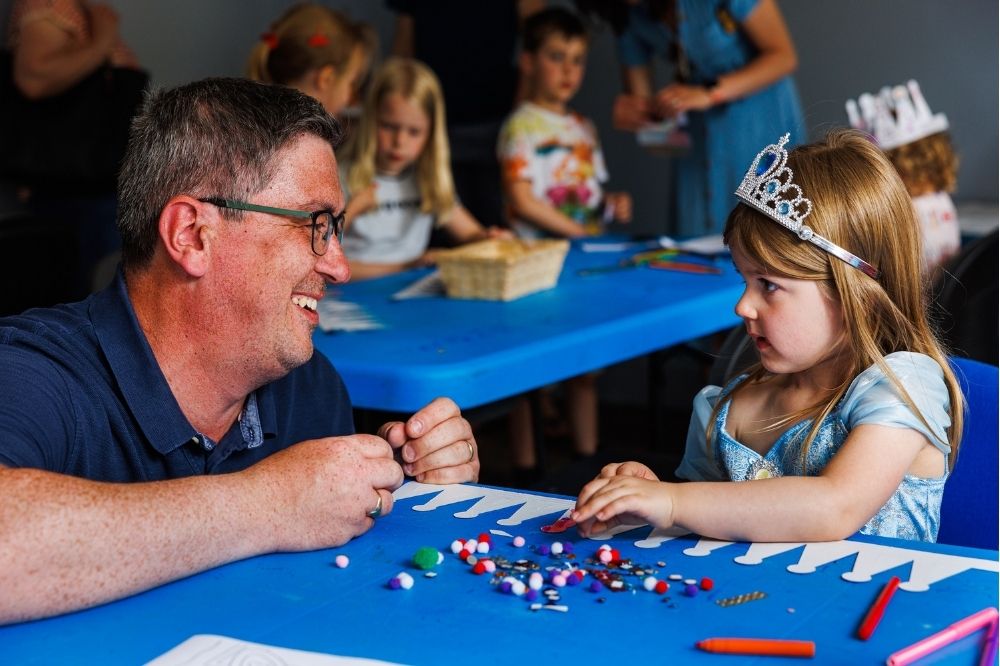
(845, 47)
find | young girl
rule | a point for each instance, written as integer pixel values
(852, 417)
(398, 179)
(316, 50)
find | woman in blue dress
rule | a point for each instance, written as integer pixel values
(733, 61)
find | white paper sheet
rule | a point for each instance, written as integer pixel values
(211, 650)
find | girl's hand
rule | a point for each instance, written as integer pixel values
(607, 502)
(621, 205)
(631, 112)
(678, 97)
(497, 232)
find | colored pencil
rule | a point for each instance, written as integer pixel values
(989, 653)
(943, 638)
(770, 647)
(874, 614)
(685, 267)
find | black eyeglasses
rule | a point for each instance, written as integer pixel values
(324, 223)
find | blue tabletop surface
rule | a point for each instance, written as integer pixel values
(815, 592)
(478, 352)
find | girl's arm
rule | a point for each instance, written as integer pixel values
(359, 204)
(539, 213)
(362, 270)
(464, 228)
(776, 58)
(856, 483)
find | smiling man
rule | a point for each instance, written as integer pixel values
(180, 418)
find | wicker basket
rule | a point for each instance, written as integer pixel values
(502, 269)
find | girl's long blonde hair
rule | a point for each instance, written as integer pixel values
(859, 203)
(416, 83)
(305, 38)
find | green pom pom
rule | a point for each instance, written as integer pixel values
(427, 557)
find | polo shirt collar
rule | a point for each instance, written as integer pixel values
(141, 381)
(136, 371)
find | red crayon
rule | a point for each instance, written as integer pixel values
(770, 647)
(874, 614)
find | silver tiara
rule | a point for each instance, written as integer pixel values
(768, 187)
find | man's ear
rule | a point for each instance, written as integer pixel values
(187, 228)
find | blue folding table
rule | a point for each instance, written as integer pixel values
(477, 352)
(816, 592)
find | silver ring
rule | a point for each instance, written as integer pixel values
(377, 511)
(472, 452)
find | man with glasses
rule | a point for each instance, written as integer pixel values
(180, 418)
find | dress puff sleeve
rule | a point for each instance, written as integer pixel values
(872, 398)
(697, 465)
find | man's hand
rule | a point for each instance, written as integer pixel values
(436, 444)
(318, 492)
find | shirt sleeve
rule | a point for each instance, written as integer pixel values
(37, 413)
(697, 465)
(633, 50)
(740, 9)
(514, 152)
(872, 398)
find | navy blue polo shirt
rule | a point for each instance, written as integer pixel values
(81, 394)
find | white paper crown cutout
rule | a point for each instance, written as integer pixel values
(768, 187)
(896, 116)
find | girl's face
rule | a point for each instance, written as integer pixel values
(343, 89)
(402, 130)
(793, 324)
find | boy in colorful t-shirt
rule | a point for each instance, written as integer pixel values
(553, 172)
(551, 160)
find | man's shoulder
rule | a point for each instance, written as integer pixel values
(47, 332)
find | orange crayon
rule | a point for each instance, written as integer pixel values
(770, 647)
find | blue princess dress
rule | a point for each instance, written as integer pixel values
(725, 138)
(913, 511)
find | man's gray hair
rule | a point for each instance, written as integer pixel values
(215, 137)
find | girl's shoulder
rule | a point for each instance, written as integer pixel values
(874, 398)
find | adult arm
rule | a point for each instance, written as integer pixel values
(48, 61)
(402, 38)
(776, 58)
(68, 543)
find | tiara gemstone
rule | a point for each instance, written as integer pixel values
(768, 188)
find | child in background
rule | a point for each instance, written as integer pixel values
(918, 145)
(316, 50)
(553, 172)
(551, 160)
(397, 179)
(853, 417)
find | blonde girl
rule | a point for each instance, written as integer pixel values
(316, 50)
(398, 179)
(852, 418)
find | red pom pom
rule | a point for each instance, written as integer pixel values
(483, 537)
(479, 568)
(661, 586)
(615, 555)
(707, 583)
(464, 554)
